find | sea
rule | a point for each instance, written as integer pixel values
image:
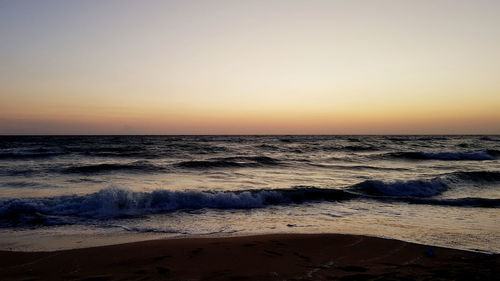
(61, 192)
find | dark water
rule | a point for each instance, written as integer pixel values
(393, 186)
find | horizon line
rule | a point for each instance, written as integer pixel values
(230, 135)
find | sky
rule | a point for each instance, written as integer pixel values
(249, 67)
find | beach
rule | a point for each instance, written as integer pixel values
(261, 257)
(249, 140)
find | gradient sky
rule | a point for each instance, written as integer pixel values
(249, 67)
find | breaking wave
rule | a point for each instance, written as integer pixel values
(116, 202)
(424, 187)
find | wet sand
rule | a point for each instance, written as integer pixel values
(264, 257)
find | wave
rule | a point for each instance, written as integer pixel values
(418, 155)
(424, 187)
(400, 138)
(475, 176)
(26, 184)
(459, 202)
(192, 148)
(138, 166)
(116, 202)
(360, 148)
(493, 152)
(116, 151)
(229, 162)
(490, 138)
(268, 147)
(431, 138)
(222, 139)
(203, 164)
(414, 188)
(356, 167)
(30, 153)
(15, 171)
(294, 139)
(151, 151)
(349, 148)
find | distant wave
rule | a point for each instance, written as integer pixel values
(192, 147)
(268, 147)
(360, 148)
(222, 139)
(139, 166)
(356, 167)
(229, 162)
(116, 151)
(493, 152)
(475, 155)
(15, 171)
(151, 151)
(414, 188)
(30, 153)
(416, 138)
(26, 184)
(490, 138)
(209, 164)
(353, 148)
(460, 202)
(294, 139)
(475, 176)
(400, 138)
(430, 138)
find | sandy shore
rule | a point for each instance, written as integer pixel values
(265, 257)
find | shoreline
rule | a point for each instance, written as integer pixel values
(255, 257)
(63, 238)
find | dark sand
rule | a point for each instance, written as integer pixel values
(265, 257)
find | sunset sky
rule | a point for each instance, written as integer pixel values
(249, 67)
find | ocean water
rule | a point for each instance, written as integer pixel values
(437, 190)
